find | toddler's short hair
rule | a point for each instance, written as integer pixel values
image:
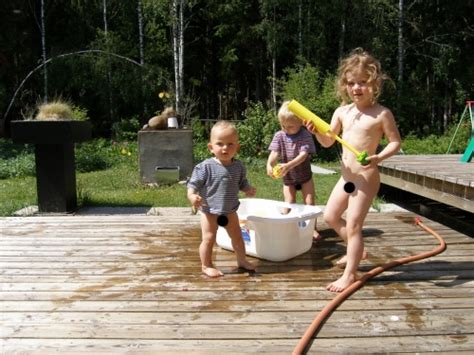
(285, 115)
(223, 124)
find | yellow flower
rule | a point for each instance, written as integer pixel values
(123, 151)
(161, 94)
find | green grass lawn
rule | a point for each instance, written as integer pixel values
(121, 186)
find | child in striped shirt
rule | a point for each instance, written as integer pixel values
(214, 188)
(293, 146)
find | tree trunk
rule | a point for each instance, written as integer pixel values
(178, 51)
(300, 29)
(342, 35)
(400, 43)
(43, 48)
(274, 74)
(109, 73)
(142, 50)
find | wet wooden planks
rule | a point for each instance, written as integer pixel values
(442, 178)
(133, 283)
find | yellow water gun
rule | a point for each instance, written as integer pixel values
(323, 127)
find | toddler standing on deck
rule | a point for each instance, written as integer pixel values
(363, 122)
(214, 188)
(293, 145)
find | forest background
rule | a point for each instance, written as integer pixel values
(121, 62)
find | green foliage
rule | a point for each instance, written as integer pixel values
(79, 113)
(92, 156)
(101, 154)
(306, 85)
(22, 164)
(200, 133)
(200, 140)
(126, 129)
(257, 130)
(16, 160)
(230, 49)
(200, 151)
(438, 144)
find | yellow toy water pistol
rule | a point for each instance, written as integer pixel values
(323, 127)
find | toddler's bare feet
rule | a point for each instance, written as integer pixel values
(316, 236)
(211, 271)
(341, 263)
(247, 265)
(341, 284)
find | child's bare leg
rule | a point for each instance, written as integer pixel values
(358, 207)
(335, 207)
(307, 190)
(355, 248)
(342, 262)
(337, 204)
(235, 233)
(289, 196)
(209, 230)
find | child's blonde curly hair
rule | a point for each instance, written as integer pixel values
(360, 61)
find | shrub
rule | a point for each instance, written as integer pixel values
(434, 144)
(200, 151)
(126, 129)
(257, 131)
(22, 164)
(100, 154)
(93, 155)
(316, 92)
(16, 159)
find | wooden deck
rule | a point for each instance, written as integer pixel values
(441, 178)
(120, 283)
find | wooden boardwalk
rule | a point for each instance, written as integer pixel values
(441, 178)
(111, 284)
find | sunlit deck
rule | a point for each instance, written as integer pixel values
(132, 283)
(442, 178)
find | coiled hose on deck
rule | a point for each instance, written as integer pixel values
(302, 346)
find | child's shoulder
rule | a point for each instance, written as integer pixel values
(205, 162)
(343, 109)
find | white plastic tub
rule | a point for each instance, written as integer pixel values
(271, 234)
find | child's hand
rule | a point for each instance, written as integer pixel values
(250, 191)
(310, 126)
(285, 167)
(373, 161)
(195, 199)
(270, 170)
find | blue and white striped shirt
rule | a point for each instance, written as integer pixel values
(219, 185)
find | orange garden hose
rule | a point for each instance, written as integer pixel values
(302, 346)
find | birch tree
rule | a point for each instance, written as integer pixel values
(177, 22)
(400, 43)
(43, 51)
(141, 45)
(109, 73)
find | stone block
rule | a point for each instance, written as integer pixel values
(165, 148)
